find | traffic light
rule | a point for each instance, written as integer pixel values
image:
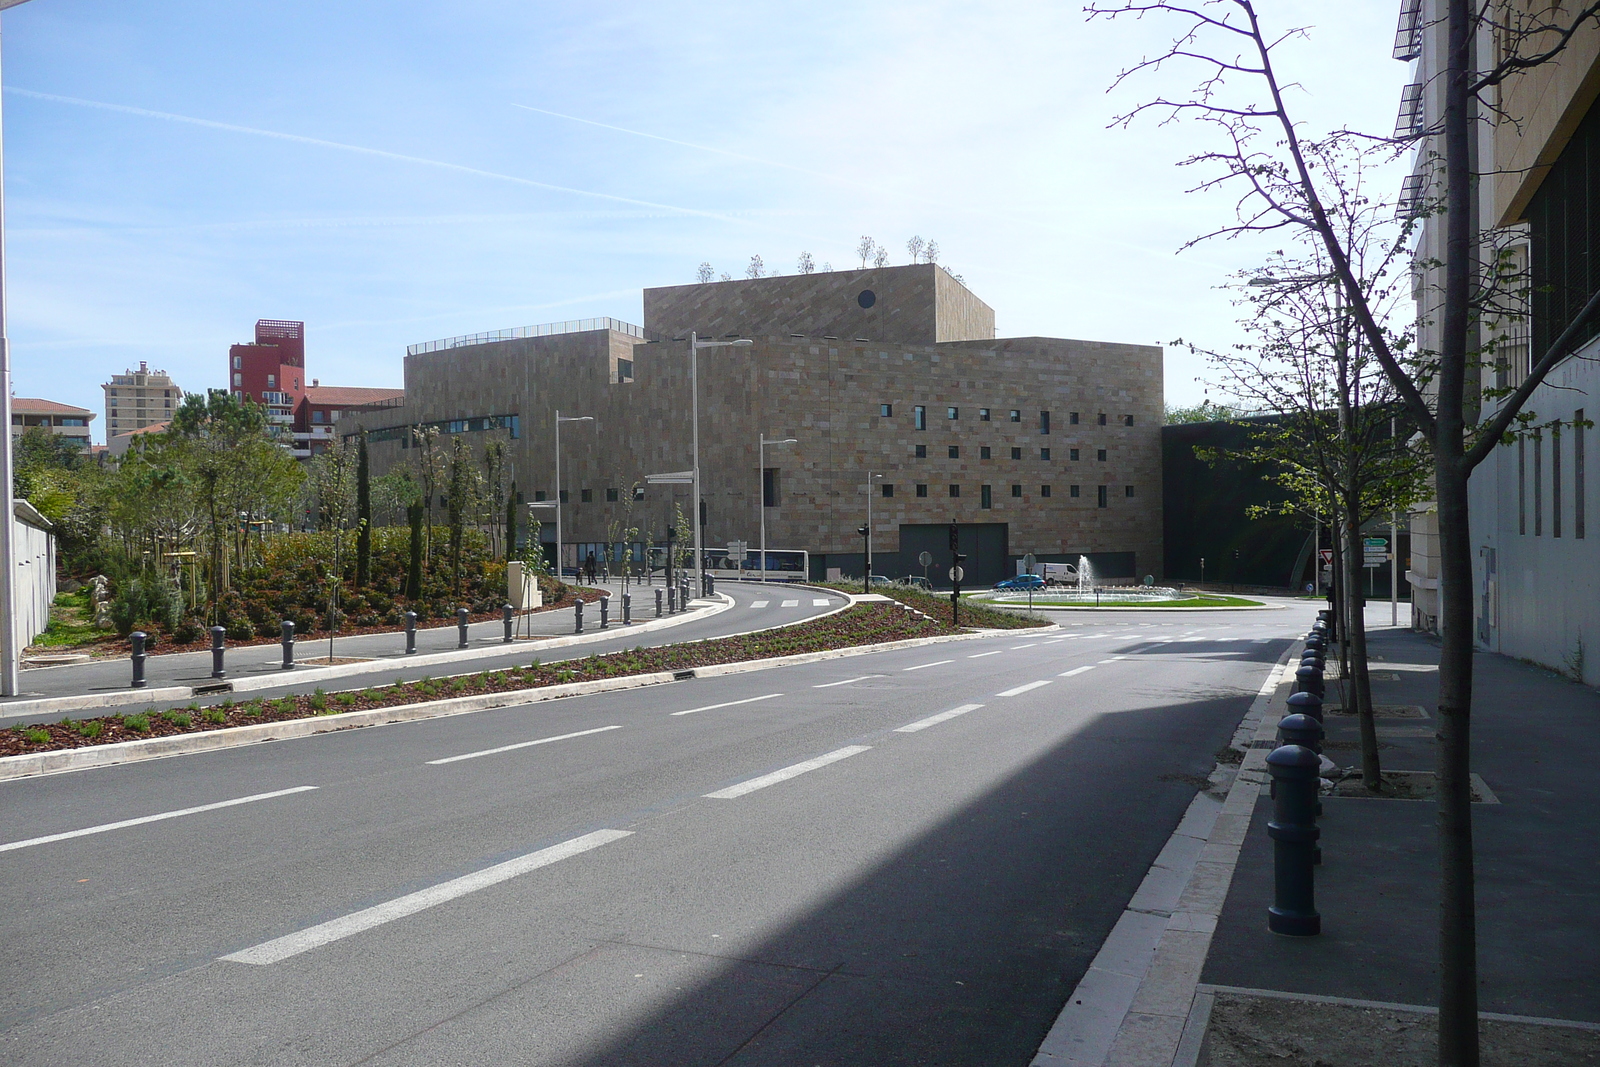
(955, 537)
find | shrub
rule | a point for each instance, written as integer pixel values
(139, 723)
(188, 631)
(180, 719)
(38, 737)
(214, 715)
(91, 729)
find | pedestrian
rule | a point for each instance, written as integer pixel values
(589, 567)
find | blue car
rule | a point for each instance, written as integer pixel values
(1022, 582)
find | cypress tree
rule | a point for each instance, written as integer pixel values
(363, 515)
(414, 568)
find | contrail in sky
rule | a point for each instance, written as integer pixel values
(363, 150)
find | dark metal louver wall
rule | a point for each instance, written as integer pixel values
(1564, 220)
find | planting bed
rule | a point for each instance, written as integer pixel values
(938, 606)
(863, 624)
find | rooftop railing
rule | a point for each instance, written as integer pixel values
(546, 330)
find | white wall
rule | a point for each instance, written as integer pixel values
(35, 574)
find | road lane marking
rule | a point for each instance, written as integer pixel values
(104, 827)
(759, 603)
(1113, 659)
(980, 655)
(728, 704)
(935, 663)
(281, 948)
(790, 604)
(1075, 670)
(1057, 641)
(847, 681)
(821, 602)
(1019, 690)
(520, 744)
(935, 720)
(734, 791)
(1028, 645)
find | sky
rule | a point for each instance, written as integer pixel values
(396, 172)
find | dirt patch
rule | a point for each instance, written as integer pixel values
(1349, 746)
(1247, 1031)
(1382, 711)
(1406, 785)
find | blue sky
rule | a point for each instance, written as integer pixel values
(397, 172)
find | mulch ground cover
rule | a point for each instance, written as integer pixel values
(938, 606)
(120, 647)
(864, 624)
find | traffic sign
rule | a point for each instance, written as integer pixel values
(956, 574)
(1327, 555)
(1028, 561)
(926, 559)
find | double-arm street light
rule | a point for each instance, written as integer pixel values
(761, 490)
(695, 345)
(560, 418)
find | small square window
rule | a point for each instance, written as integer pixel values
(955, 490)
(922, 451)
(952, 413)
(1127, 490)
(1016, 490)
(1072, 491)
(565, 493)
(1100, 454)
(922, 489)
(611, 496)
(1102, 418)
(920, 417)
(1127, 420)
(638, 492)
(955, 451)
(886, 410)
(538, 494)
(1072, 454)
(1044, 490)
(983, 414)
(983, 451)
(586, 496)
(1016, 416)
(1072, 418)
(888, 490)
(1016, 453)
(1044, 453)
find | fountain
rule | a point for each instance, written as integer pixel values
(1089, 591)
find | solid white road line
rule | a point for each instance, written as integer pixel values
(104, 827)
(847, 681)
(821, 602)
(935, 663)
(1019, 690)
(1075, 670)
(1028, 645)
(520, 744)
(790, 604)
(935, 720)
(980, 655)
(787, 773)
(728, 704)
(311, 937)
(759, 603)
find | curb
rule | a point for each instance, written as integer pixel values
(61, 761)
(120, 698)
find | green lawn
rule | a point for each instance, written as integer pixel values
(1200, 601)
(71, 623)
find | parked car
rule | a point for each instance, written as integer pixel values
(1021, 582)
(917, 581)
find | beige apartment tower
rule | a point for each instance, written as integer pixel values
(139, 398)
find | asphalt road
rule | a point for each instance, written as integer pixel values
(905, 857)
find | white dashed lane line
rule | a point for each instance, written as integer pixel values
(1075, 670)
(1019, 690)
(847, 681)
(794, 771)
(759, 603)
(980, 655)
(935, 663)
(728, 704)
(141, 820)
(935, 720)
(520, 744)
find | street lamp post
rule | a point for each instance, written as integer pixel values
(761, 491)
(8, 535)
(695, 345)
(560, 418)
(866, 581)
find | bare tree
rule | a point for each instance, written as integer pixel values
(931, 252)
(827, 268)
(880, 258)
(725, 278)
(1278, 170)
(807, 264)
(914, 246)
(755, 268)
(865, 249)
(704, 274)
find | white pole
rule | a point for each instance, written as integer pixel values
(559, 573)
(694, 419)
(869, 532)
(8, 539)
(761, 497)
(1316, 556)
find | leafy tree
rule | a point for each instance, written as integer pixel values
(1205, 411)
(755, 268)
(363, 513)
(931, 252)
(511, 522)
(807, 264)
(704, 274)
(414, 555)
(915, 246)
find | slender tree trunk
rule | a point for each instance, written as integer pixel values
(363, 515)
(1360, 679)
(414, 562)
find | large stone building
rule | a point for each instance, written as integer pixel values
(1031, 444)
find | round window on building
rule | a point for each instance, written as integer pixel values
(867, 298)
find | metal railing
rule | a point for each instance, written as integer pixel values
(546, 330)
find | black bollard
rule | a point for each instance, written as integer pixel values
(218, 633)
(711, 585)
(1309, 680)
(411, 633)
(577, 616)
(1294, 834)
(1303, 730)
(605, 612)
(288, 644)
(506, 613)
(1305, 704)
(462, 614)
(138, 639)
(658, 603)
(672, 599)
(627, 608)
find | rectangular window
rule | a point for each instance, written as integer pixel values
(1044, 422)
(922, 451)
(611, 496)
(1072, 491)
(1072, 454)
(886, 411)
(1104, 496)
(1072, 418)
(955, 490)
(921, 415)
(922, 489)
(1016, 490)
(952, 413)
(1044, 453)
(1578, 495)
(985, 496)
(586, 496)
(1127, 490)
(1127, 420)
(1100, 455)
(565, 493)
(638, 492)
(238, 380)
(316, 416)
(769, 487)
(624, 371)
(272, 381)
(1016, 453)
(888, 490)
(983, 414)
(955, 451)
(538, 494)
(983, 451)
(1044, 490)
(1538, 484)
(1102, 418)
(1522, 485)
(1555, 480)
(1016, 416)
(238, 362)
